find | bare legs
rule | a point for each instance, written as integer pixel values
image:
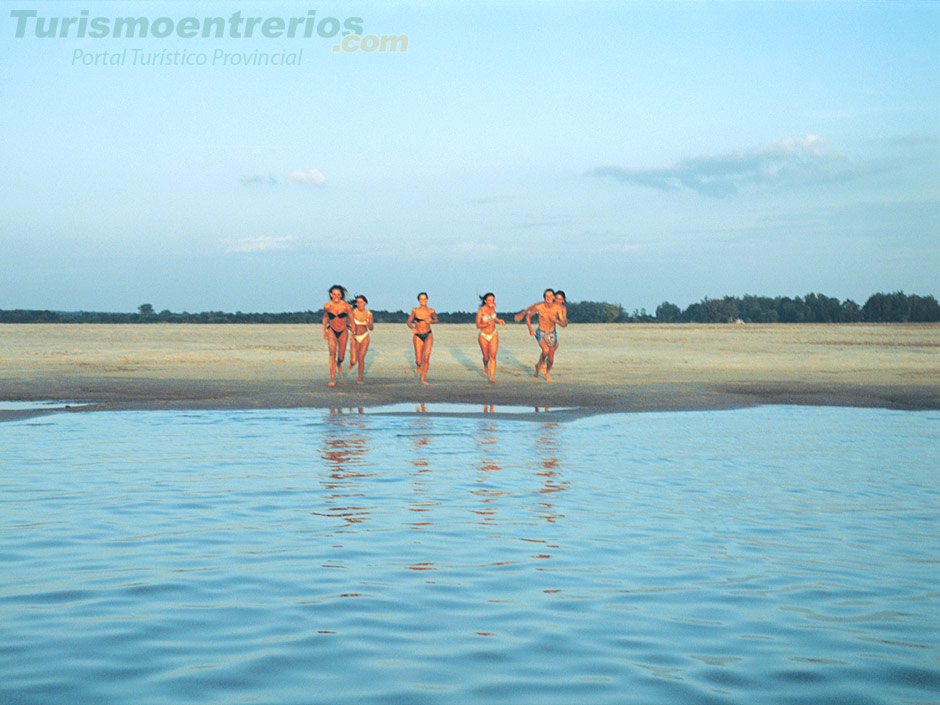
(546, 360)
(357, 354)
(489, 348)
(422, 355)
(337, 352)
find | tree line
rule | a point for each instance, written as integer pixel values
(812, 308)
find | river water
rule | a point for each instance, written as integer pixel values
(764, 555)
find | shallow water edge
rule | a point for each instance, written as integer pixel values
(768, 555)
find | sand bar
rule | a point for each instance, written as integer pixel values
(613, 367)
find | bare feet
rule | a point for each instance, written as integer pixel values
(332, 384)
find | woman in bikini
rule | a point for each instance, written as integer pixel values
(420, 322)
(488, 336)
(362, 324)
(562, 321)
(336, 322)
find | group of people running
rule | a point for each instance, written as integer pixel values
(351, 323)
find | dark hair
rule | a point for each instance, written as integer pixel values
(546, 291)
(559, 292)
(342, 289)
(487, 295)
(422, 293)
(361, 296)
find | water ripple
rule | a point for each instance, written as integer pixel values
(772, 555)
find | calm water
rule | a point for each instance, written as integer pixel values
(768, 555)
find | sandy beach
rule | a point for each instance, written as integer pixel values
(610, 367)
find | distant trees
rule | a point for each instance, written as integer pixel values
(812, 308)
(899, 308)
(668, 313)
(594, 312)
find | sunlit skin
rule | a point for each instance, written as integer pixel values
(362, 323)
(420, 322)
(487, 328)
(336, 329)
(562, 321)
(549, 314)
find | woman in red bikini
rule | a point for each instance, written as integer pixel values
(336, 323)
(420, 322)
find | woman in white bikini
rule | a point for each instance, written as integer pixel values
(488, 336)
(420, 322)
(336, 313)
(361, 325)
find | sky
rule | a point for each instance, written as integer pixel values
(629, 152)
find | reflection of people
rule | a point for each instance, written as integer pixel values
(336, 313)
(361, 325)
(548, 454)
(420, 322)
(344, 446)
(490, 461)
(488, 336)
(546, 334)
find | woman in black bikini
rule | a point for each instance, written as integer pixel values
(420, 322)
(337, 314)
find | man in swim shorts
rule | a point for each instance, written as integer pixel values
(546, 335)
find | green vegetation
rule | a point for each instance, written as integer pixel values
(812, 308)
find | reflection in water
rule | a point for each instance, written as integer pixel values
(547, 451)
(172, 557)
(344, 450)
(489, 461)
(420, 449)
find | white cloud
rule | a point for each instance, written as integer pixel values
(793, 160)
(261, 243)
(811, 144)
(256, 179)
(308, 176)
(919, 138)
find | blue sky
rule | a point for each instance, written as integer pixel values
(633, 152)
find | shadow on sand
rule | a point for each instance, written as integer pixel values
(460, 355)
(509, 363)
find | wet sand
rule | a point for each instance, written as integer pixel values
(612, 367)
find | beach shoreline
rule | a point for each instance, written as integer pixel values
(599, 367)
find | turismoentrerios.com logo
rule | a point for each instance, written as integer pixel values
(30, 24)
